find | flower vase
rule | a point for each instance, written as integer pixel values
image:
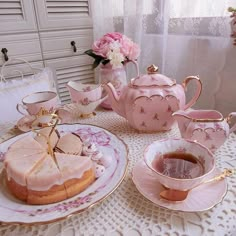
(116, 76)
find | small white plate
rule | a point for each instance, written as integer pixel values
(201, 198)
(15, 211)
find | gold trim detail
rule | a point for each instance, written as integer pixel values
(203, 120)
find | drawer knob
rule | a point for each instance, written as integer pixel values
(4, 51)
(73, 45)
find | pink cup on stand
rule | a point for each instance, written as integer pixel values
(84, 93)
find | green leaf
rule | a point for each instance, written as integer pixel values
(105, 61)
(92, 54)
(96, 62)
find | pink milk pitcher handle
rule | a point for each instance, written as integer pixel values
(197, 93)
(135, 65)
(230, 116)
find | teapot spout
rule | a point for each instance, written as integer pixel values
(114, 99)
(183, 121)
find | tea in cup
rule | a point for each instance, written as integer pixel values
(179, 164)
(33, 103)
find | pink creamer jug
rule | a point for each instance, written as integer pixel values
(207, 127)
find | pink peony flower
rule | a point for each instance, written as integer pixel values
(102, 46)
(113, 48)
(134, 52)
(129, 48)
(126, 44)
(115, 35)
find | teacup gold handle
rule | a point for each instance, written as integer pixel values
(21, 106)
(198, 90)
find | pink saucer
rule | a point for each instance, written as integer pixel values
(27, 122)
(24, 124)
(201, 198)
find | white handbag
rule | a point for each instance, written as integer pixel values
(13, 90)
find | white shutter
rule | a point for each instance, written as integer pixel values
(59, 14)
(11, 10)
(17, 16)
(67, 8)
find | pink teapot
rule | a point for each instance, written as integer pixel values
(208, 127)
(148, 101)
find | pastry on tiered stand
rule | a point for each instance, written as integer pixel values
(49, 168)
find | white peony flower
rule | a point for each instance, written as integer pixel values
(115, 58)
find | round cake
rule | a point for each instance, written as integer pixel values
(40, 175)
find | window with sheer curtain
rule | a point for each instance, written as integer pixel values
(184, 37)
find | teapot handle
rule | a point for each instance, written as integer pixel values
(198, 91)
(228, 119)
(135, 65)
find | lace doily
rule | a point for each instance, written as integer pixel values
(127, 212)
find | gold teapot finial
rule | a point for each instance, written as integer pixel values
(152, 69)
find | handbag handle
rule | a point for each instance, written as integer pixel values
(2, 77)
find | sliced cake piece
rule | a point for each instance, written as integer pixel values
(23, 148)
(27, 142)
(45, 184)
(70, 143)
(17, 171)
(77, 172)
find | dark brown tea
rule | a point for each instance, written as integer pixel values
(178, 165)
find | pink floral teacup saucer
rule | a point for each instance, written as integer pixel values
(201, 198)
(25, 123)
(29, 122)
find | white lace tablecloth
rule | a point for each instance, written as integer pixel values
(127, 212)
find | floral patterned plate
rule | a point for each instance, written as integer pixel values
(15, 211)
(201, 198)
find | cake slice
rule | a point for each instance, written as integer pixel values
(26, 143)
(77, 172)
(45, 184)
(17, 171)
(23, 148)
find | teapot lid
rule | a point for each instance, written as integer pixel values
(152, 78)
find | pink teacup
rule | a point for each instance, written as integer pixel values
(179, 163)
(32, 103)
(84, 93)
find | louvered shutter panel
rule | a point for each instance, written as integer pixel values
(64, 14)
(73, 68)
(17, 16)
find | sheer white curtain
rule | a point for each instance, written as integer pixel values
(184, 37)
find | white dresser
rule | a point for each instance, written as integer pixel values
(52, 33)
